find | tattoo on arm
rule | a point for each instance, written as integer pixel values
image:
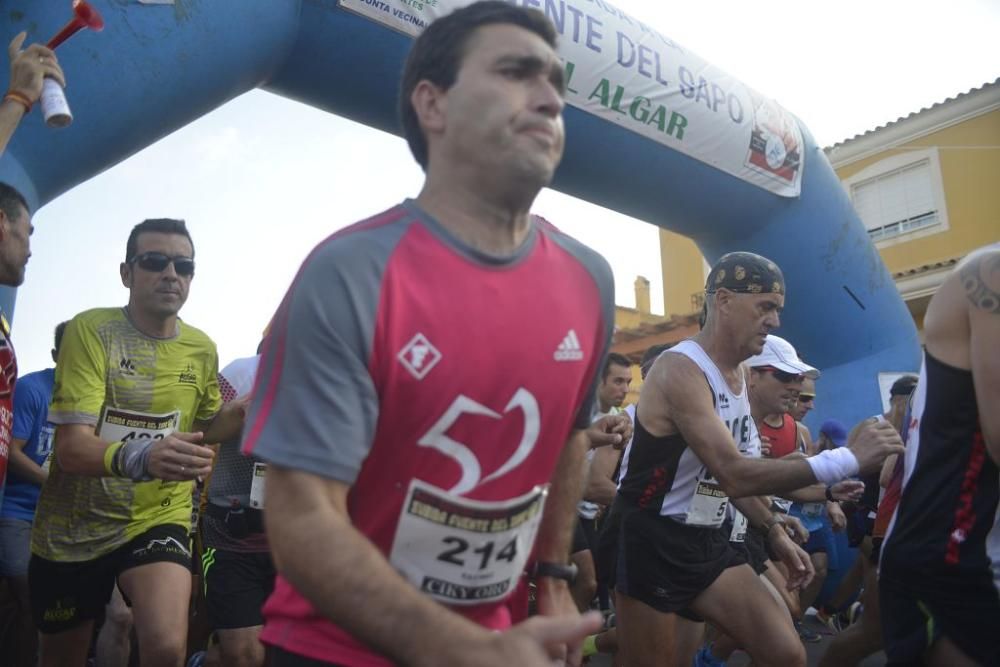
(983, 294)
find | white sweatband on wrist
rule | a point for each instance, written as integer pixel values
(833, 465)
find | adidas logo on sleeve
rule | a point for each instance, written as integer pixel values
(569, 349)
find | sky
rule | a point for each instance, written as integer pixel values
(262, 179)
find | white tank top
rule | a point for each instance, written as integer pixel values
(696, 498)
(623, 468)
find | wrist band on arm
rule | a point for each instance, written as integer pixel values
(133, 459)
(833, 465)
(111, 456)
(20, 98)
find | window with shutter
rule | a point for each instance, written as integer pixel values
(897, 201)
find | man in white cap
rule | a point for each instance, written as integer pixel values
(777, 376)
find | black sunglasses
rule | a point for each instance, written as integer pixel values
(781, 376)
(807, 398)
(156, 262)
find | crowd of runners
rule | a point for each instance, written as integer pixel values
(427, 462)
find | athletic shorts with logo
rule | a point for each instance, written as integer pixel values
(66, 594)
(236, 587)
(667, 564)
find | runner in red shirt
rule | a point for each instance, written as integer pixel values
(422, 397)
(15, 249)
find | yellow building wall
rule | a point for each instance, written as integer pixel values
(970, 171)
(683, 272)
(630, 318)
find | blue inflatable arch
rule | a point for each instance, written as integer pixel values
(160, 64)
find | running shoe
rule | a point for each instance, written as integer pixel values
(196, 660)
(854, 613)
(805, 634)
(830, 621)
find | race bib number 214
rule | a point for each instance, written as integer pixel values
(461, 551)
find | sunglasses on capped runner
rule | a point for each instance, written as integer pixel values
(807, 398)
(155, 262)
(784, 377)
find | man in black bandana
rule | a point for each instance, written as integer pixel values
(695, 455)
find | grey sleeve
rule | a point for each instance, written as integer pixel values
(604, 282)
(587, 409)
(315, 405)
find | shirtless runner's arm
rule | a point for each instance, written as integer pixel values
(981, 282)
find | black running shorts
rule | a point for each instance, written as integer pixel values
(966, 612)
(66, 594)
(752, 548)
(236, 587)
(606, 551)
(666, 564)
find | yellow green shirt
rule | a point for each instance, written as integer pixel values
(106, 364)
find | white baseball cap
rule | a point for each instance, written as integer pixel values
(780, 354)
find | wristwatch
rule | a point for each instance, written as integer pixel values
(829, 494)
(565, 571)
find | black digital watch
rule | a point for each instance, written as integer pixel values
(565, 571)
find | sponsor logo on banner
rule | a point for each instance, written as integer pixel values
(629, 74)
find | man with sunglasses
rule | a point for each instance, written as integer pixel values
(694, 448)
(806, 401)
(777, 376)
(135, 399)
(781, 427)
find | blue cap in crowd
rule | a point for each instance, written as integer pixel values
(834, 430)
